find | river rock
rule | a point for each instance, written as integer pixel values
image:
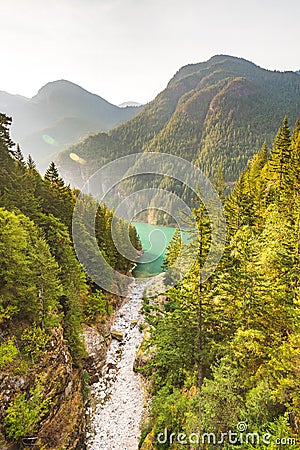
(117, 335)
(133, 323)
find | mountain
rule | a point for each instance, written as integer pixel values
(129, 103)
(216, 113)
(60, 114)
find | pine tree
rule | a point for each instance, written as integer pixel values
(52, 175)
(198, 296)
(258, 161)
(281, 153)
(58, 198)
(239, 205)
(279, 264)
(30, 163)
(29, 283)
(5, 123)
(295, 172)
(18, 155)
(172, 252)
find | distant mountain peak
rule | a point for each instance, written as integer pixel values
(221, 56)
(58, 86)
(129, 103)
(60, 114)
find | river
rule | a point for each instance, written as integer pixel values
(118, 397)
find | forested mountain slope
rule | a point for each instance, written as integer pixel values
(223, 356)
(45, 299)
(216, 113)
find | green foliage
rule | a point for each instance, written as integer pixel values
(29, 285)
(5, 123)
(8, 353)
(34, 341)
(57, 197)
(170, 406)
(73, 327)
(176, 348)
(281, 153)
(7, 312)
(240, 329)
(24, 414)
(95, 307)
(41, 280)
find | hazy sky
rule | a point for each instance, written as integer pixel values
(129, 49)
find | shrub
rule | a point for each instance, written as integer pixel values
(34, 341)
(23, 416)
(95, 306)
(8, 352)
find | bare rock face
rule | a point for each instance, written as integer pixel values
(61, 384)
(95, 344)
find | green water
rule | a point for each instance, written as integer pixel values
(154, 239)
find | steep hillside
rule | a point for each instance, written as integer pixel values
(228, 349)
(217, 113)
(60, 114)
(46, 302)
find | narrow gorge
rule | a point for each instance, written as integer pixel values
(118, 399)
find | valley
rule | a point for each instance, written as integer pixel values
(80, 354)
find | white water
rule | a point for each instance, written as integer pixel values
(119, 396)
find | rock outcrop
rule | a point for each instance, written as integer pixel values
(63, 426)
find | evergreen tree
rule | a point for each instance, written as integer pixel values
(58, 198)
(29, 285)
(30, 163)
(296, 131)
(239, 206)
(281, 153)
(5, 123)
(244, 361)
(172, 253)
(52, 175)
(18, 155)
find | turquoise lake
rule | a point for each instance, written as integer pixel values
(154, 239)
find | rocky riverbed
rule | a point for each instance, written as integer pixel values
(118, 400)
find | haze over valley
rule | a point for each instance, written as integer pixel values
(60, 114)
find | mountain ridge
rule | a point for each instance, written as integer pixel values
(215, 113)
(65, 110)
